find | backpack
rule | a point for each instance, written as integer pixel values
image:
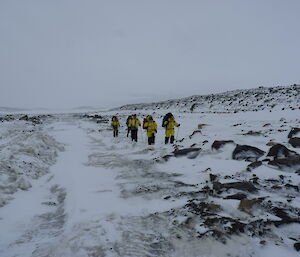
(166, 117)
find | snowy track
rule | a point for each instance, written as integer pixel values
(112, 197)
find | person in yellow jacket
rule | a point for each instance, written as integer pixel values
(151, 127)
(115, 125)
(170, 124)
(134, 125)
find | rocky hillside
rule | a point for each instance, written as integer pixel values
(262, 98)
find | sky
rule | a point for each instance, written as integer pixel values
(106, 53)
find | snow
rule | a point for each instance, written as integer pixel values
(89, 194)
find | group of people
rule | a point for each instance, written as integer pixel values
(149, 125)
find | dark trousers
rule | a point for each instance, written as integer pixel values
(116, 133)
(134, 135)
(151, 140)
(171, 140)
(128, 130)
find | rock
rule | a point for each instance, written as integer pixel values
(295, 141)
(297, 246)
(271, 143)
(218, 144)
(286, 162)
(244, 186)
(279, 151)
(247, 152)
(293, 132)
(195, 132)
(238, 196)
(246, 204)
(186, 151)
(25, 117)
(212, 177)
(253, 133)
(296, 188)
(254, 165)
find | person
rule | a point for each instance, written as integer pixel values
(145, 121)
(151, 128)
(115, 125)
(169, 124)
(134, 125)
(127, 123)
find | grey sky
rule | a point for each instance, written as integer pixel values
(67, 53)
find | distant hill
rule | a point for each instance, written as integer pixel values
(261, 98)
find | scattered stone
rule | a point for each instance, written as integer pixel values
(267, 124)
(218, 144)
(296, 188)
(186, 151)
(195, 132)
(295, 142)
(237, 196)
(247, 204)
(293, 132)
(213, 177)
(247, 152)
(253, 133)
(297, 246)
(271, 143)
(279, 151)
(254, 165)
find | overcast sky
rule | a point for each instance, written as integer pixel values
(68, 53)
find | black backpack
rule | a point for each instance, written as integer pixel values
(166, 117)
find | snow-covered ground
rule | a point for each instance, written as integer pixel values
(68, 188)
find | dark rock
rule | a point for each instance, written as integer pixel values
(280, 151)
(252, 133)
(195, 132)
(244, 186)
(254, 165)
(247, 204)
(293, 132)
(213, 177)
(25, 117)
(296, 188)
(191, 152)
(238, 196)
(218, 144)
(297, 246)
(286, 162)
(247, 152)
(295, 141)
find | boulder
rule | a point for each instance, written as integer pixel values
(237, 196)
(254, 165)
(247, 204)
(217, 144)
(297, 246)
(295, 141)
(293, 132)
(280, 151)
(190, 152)
(244, 186)
(286, 162)
(247, 152)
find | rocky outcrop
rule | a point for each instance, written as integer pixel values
(217, 144)
(293, 132)
(286, 162)
(280, 151)
(247, 152)
(295, 142)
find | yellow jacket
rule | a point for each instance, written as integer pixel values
(151, 127)
(170, 124)
(115, 124)
(134, 123)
